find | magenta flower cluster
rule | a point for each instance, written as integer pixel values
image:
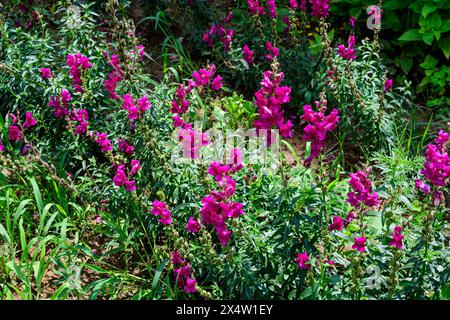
(160, 209)
(126, 147)
(317, 128)
(348, 52)
(77, 62)
(437, 166)
(82, 119)
(359, 244)
(114, 77)
(217, 207)
(103, 141)
(397, 238)
(320, 8)
(361, 190)
(224, 35)
(269, 100)
(255, 8)
(134, 111)
(248, 55)
(122, 179)
(60, 103)
(182, 273)
(14, 132)
(272, 51)
(303, 261)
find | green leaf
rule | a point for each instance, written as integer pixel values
(429, 63)
(428, 38)
(406, 65)
(411, 35)
(428, 8)
(444, 44)
(158, 272)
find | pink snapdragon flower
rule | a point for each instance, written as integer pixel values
(45, 73)
(320, 8)
(14, 133)
(255, 8)
(29, 120)
(303, 261)
(216, 84)
(349, 52)
(126, 147)
(360, 244)
(338, 224)
(77, 62)
(388, 85)
(269, 100)
(272, 8)
(361, 190)
(159, 208)
(248, 55)
(134, 111)
(190, 286)
(397, 238)
(82, 117)
(2, 147)
(422, 186)
(176, 258)
(218, 170)
(436, 169)
(192, 225)
(103, 142)
(293, 4)
(317, 128)
(273, 51)
(224, 35)
(60, 103)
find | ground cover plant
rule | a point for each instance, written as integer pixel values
(251, 149)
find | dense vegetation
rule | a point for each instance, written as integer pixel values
(116, 184)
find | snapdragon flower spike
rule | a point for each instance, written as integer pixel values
(60, 104)
(272, 9)
(192, 225)
(29, 120)
(224, 35)
(273, 51)
(183, 273)
(114, 77)
(348, 52)
(176, 258)
(320, 8)
(135, 111)
(160, 209)
(103, 142)
(303, 261)
(436, 169)
(82, 117)
(255, 8)
(362, 190)
(397, 238)
(248, 55)
(45, 73)
(190, 286)
(2, 147)
(216, 207)
(359, 244)
(77, 62)
(269, 100)
(317, 128)
(126, 147)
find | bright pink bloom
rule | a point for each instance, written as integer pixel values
(272, 8)
(293, 4)
(159, 208)
(349, 52)
(216, 84)
(255, 8)
(120, 178)
(144, 104)
(176, 258)
(192, 225)
(45, 73)
(82, 117)
(422, 186)
(362, 190)
(248, 54)
(14, 133)
(135, 167)
(273, 51)
(437, 167)
(218, 170)
(190, 286)
(103, 142)
(126, 147)
(337, 224)
(397, 238)
(320, 8)
(360, 244)
(317, 129)
(29, 120)
(303, 261)
(388, 85)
